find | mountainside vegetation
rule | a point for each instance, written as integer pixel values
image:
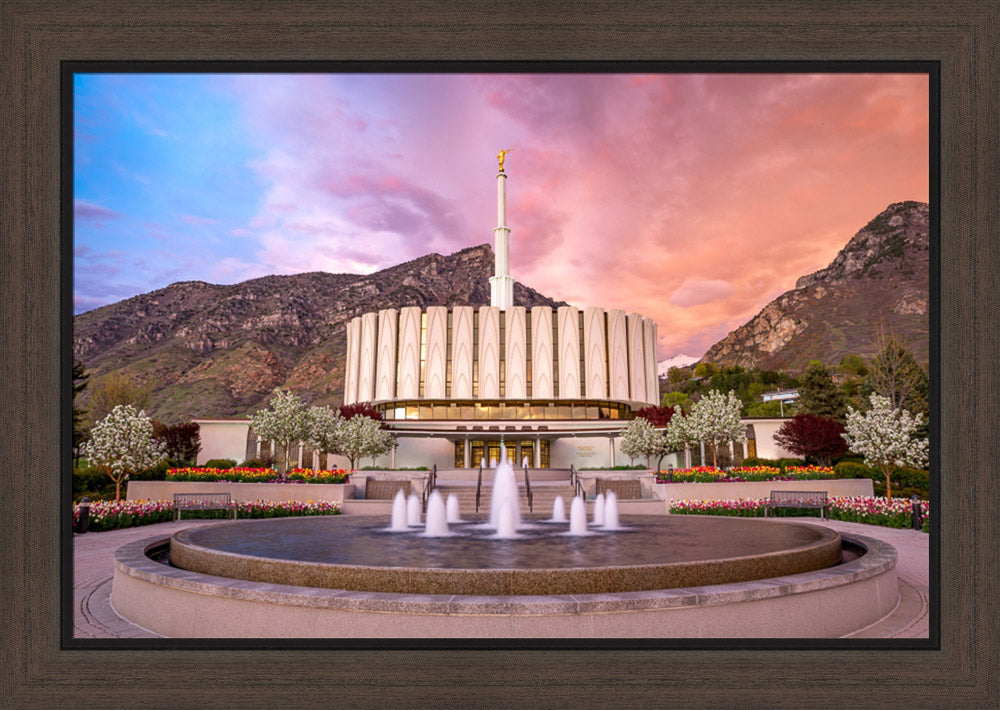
(198, 350)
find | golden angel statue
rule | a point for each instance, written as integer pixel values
(500, 157)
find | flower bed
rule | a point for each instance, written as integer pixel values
(111, 515)
(888, 512)
(257, 475)
(743, 474)
(307, 475)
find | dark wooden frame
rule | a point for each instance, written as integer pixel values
(39, 672)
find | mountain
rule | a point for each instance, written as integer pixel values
(218, 351)
(878, 283)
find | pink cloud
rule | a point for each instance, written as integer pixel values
(691, 199)
(695, 292)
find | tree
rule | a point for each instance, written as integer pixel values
(286, 423)
(347, 411)
(704, 369)
(677, 375)
(181, 441)
(325, 432)
(679, 436)
(122, 443)
(819, 395)
(363, 436)
(117, 388)
(895, 374)
(657, 416)
(887, 437)
(640, 438)
(810, 435)
(675, 399)
(716, 418)
(80, 431)
(853, 364)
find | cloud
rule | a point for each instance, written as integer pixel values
(695, 292)
(692, 199)
(84, 210)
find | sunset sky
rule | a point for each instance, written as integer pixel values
(692, 199)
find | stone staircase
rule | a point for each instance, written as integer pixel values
(543, 494)
(542, 498)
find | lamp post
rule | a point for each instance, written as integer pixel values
(83, 521)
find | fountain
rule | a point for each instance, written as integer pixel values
(413, 510)
(399, 517)
(558, 510)
(506, 522)
(611, 512)
(599, 510)
(578, 517)
(668, 576)
(437, 520)
(453, 513)
(505, 493)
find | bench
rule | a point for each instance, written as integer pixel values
(203, 501)
(797, 499)
(376, 489)
(623, 488)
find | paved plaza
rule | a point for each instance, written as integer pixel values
(93, 568)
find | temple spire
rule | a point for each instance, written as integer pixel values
(501, 283)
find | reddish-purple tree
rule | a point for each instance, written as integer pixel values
(364, 408)
(812, 435)
(657, 416)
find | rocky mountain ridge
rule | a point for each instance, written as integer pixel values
(219, 350)
(878, 283)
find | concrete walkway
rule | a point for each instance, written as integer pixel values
(93, 568)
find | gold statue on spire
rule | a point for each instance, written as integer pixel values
(500, 157)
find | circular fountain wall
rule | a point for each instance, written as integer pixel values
(648, 553)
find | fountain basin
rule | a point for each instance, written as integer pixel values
(358, 554)
(827, 603)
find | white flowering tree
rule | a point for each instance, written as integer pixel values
(287, 422)
(325, 426)
(886, 437)
(679, 435)
(122, 443)
(640, 438)
(715, 418)
(363, 436)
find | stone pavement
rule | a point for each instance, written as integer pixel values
(93, 568)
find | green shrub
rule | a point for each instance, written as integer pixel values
(915, 478)
(159, 471)
(252, 463)
(905, 481)
(92, 483)
(219, 463)
(785, 463)
(854, 469)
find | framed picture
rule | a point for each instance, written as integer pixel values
(445, 666)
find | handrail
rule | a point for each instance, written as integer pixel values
(527, 488)
(577, 484)
(430, 483)
(479, 487)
